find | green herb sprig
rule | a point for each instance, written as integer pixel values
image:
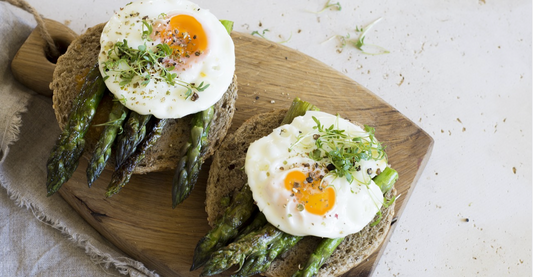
(342, 39)
(329, 5)
(256, 33)
(342, 150)
(360, 43)
(110, 123)
(146, 30)
(143, 62)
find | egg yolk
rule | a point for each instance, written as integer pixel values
(185, 35)
(309, 193)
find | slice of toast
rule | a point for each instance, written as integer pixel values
(227, 175)
(68, 77)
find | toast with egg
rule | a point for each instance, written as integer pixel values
(227, 176)
(68, 77)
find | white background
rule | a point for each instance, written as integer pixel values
(462, 71)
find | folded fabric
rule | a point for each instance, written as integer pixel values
(39, 235)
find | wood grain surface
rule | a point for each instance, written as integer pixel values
(140, 220)
(33, 57)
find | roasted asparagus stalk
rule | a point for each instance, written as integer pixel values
(226, 227)
(102, 151)
(65, 155)
(192, 153)
(260, 261)
(257, 223)
(321, 254)
(191, 162)
(236, 252)
(134, 132)
(122, 174)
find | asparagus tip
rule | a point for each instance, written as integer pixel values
(179, 188)
(200, 257)
(90, 181)
(111, 191)
(52, 188)
(194, 266)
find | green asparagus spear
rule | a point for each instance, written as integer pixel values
(190, 164)
(134, 132)
(103, 146)
(226, 227)
(236, 252)
(318, 257)
(261, 260)
(385, 180)
(122, 175)
(297, 108)
(192, 153)
(228, 25)
(257, 259)
(258, 222)
(65, 155)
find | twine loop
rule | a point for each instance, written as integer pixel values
(51, 46)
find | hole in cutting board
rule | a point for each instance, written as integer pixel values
(61, 45)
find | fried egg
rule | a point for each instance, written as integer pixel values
(169, 58)
(299, 191)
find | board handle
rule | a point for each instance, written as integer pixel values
(33, 66)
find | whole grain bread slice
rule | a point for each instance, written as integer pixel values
(68, 77)
(227, 175)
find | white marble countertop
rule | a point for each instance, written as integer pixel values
(462, 71)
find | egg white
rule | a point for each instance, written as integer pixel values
(268, 161)
(216, 67)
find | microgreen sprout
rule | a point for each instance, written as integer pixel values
(343, 39)
(110, 123)
(343, 150)
(122, 99)
(146, 30)
(360, 43)
(122, 117)
(262, 34)
(256, 33)
(287, 40)
(328, 5)
(143, 63)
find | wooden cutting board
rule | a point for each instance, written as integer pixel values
(140, 220)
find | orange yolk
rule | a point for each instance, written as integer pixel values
(185, 35)
(310, 195)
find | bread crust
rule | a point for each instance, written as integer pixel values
(227, 175)
(68, 76)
